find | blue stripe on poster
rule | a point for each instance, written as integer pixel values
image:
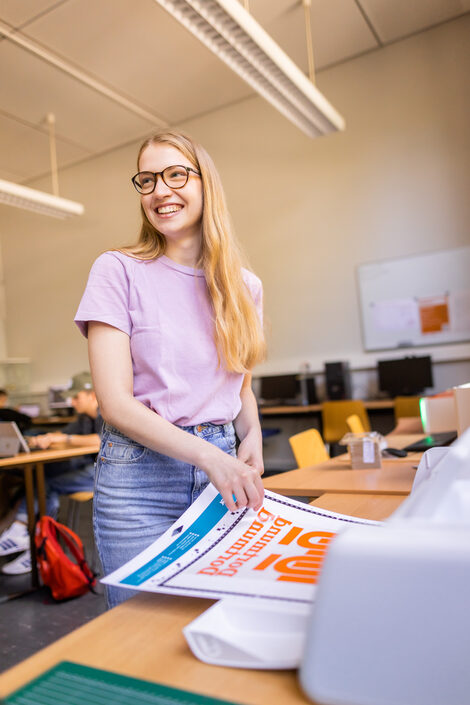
(204, 523)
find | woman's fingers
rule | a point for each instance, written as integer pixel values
(239, 483)
(255, 493)
(243, 489)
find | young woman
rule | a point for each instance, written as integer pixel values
(174, 327)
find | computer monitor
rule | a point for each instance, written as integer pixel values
(405, 376)
(56, 402)
(279, 389)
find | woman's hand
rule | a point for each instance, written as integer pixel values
(45, 440)
(239, 483)
(250, 451)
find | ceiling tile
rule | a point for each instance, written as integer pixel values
(17, 12)
(338, 30)
(140, 50)
(399, 18)
(24, 152)
(32, 88)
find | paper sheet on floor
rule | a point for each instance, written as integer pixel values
(214, 553)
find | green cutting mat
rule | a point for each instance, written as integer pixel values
(72, 684)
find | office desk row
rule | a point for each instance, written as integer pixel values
(370, 405)
(143, 638)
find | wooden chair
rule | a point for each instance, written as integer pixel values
(308, 448)
(334, 415)
(75, 500)
(355, 424)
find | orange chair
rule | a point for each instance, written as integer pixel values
(406, 406)
(308, 448)
(334, 415)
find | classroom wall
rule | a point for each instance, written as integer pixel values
(395, 183)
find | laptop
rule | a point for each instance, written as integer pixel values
(434, 440)
(12, 440)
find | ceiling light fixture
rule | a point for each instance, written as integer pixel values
(229, 31)
(38, 201)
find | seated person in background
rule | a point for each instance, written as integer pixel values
(23, 421)
(62, 477)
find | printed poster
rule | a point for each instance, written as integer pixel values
(211, 552)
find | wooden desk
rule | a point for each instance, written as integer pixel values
(395, 477)
(376, 507)
(370, 404)
(53, 420)
(32, 465)
(143, 638)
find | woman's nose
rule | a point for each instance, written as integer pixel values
(161, 187)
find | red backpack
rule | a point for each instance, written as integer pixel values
(65, 577)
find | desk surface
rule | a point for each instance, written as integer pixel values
(395, 477)
(376, 507)
(48, 456)
(143, 638)
(52, 420)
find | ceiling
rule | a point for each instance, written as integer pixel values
(153, 70)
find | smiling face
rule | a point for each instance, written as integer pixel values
(176, 213)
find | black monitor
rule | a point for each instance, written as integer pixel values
(405, 376)
(279, 389)
(58, 404)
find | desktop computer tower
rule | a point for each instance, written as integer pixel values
(311, 390)
(337, 380)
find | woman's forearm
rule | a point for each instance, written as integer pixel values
(143, 425)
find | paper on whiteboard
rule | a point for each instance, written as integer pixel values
(211, 552)
(396, 314)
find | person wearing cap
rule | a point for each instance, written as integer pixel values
(61, 478)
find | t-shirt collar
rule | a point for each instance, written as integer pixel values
(192, 271)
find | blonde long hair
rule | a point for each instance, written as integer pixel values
(238, 333)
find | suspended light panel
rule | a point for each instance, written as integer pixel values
(234, 36)
(37, 201)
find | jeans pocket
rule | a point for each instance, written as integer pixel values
(119, 449)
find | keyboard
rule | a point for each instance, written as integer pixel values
(434, 440)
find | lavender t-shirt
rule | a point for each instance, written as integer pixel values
(165, 310)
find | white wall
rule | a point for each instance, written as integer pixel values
(395, 183)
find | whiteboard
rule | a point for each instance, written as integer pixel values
(419, 300)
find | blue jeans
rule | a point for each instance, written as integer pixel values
(140, 493)
(64, 477)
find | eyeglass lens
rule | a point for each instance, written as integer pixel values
(173, 177)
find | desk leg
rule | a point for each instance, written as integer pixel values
(41, 497)
(29, 489)
(41, 489)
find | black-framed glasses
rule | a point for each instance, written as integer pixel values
(173, 176)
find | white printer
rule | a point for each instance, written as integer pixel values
(391, 619)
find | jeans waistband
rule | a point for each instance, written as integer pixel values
(202, 430)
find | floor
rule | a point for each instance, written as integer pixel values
(33, 621)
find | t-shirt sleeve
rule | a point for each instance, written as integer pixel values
(106, 296)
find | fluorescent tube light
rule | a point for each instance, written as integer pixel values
(229, 31)
(38, 201)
